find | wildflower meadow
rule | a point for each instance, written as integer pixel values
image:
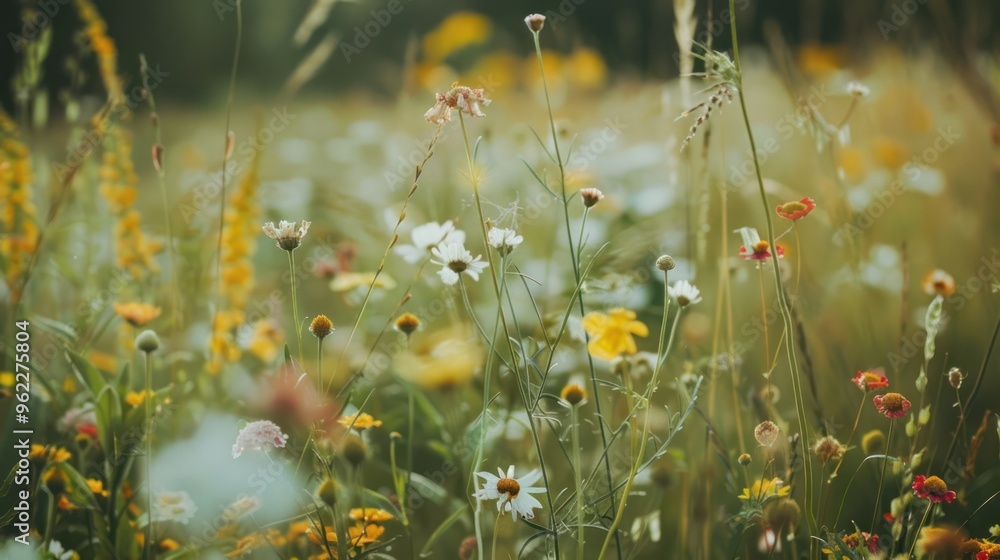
(564, 280)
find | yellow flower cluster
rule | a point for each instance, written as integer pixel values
(103, 46)
(134, 250)
(239, 240)
(17, 211)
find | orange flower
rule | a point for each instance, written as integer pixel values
(870, 380)
(932, 488)
(892, 405)
(796, 210)
(137, 314)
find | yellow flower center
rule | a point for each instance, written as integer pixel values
(508, 486)
(792, 207)
(761, 247)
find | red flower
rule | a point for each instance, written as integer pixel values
(889, 517)
(932, 488)
(892, 405)
(870, 380)
(983, 555)
(796, 210)
(761, 252)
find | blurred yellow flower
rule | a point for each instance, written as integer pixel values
(585, 69)
(266, 340)
(359, 421)
(347, 281)
(888, 152)
(371, 515)
(441, 360)
(137, 314)
(135, 398)
(763, 489)
(612, 333)
(97, 487)
(7, 379)
(820, 59)
(456, 32)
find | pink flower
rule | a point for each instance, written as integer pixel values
(760, 252)
(870, 380)
(796, 210)
(257, 435)
(892, 405)
(932, 488)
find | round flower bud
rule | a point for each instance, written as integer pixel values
(147, 342)
(665, 263)
(321, 327)
(407, 323)
(955, 378)
(354, 450)
(574, 393)
(327, 492)
(872, 442)
(535, 22)
(745, 459)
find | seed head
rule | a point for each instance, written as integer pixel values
(321, 327)
(407, 323)
(535, 22)
(327, 492)
(665, 263)
(766, 433)
(745, 459)
(955, 378)
(591, 197)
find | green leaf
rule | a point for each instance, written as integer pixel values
(77, 489)
(58, 328)
(89, 375)
(8, 481)
(381, 502)
(441, 530)
(108, 409)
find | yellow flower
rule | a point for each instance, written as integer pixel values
(359, 421)
(135, 398)
(265, 341)
(612, 333)
(6, 379)
(371, 515)
(456, 32)
(137, 314)
(442, 360)
(97, 487)
(52, 454)
(365, 535)
(764, 489)
(347, 281)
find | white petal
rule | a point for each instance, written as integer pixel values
(448, 276)
(530, 478)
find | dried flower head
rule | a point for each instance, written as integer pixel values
(258, 435)
(766, 433)
(286, 235)
(407, 323)
(872, 380)
(591, 196)
(665, 263)
(938, 282)
(796, 210)
(465, 99)
(955, 378)
(828, 448)
(892, 405)
(574, 393)
(321, 327)
(932, 488)
(535, 22)
(727, 82)
(137, 314)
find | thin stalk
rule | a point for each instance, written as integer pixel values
(147, 545)
(779, 287)
(295, 305)
(663, 348)
(881, 478)
(319, 363)
(578, 478)
(916, 534)
(595, 386)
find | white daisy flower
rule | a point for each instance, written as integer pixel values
(285, 234)
(258, 435)
(455, 259)
(173, 506)
(512, 494)
(56, 549)
(503, 240)
(427, 236)
(684, 292)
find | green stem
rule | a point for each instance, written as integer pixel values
(881, 478)
(779, 288)
(916, 534)
(148, 544)
(578, 478)
(295, 305)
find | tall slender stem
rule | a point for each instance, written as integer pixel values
(577, 478)
(881, 478)
(148, 398)
(779, 288)
(295, 304)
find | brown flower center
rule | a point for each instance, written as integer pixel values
(458, 266)
(508, 486)
(935, 485)
(892, 402)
